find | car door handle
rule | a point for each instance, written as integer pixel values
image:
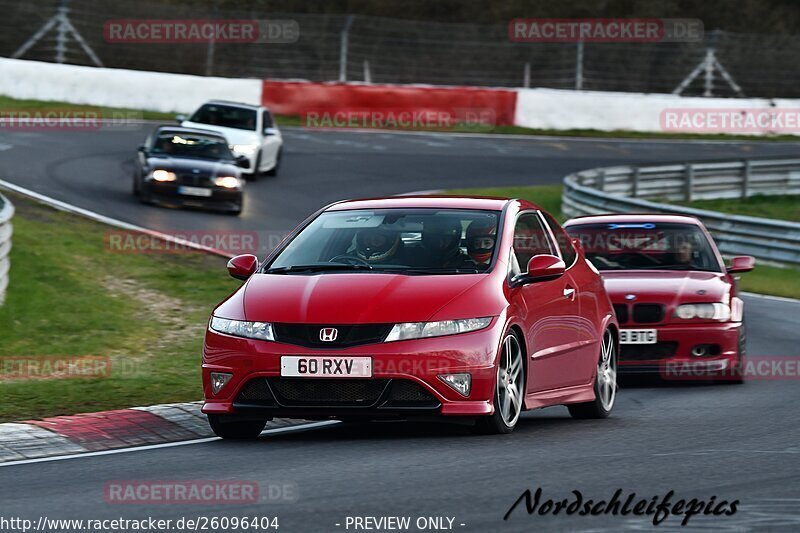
(569, 293)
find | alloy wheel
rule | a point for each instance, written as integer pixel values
(510, 381)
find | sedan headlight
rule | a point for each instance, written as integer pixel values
(421, 330)
(244, 149)
(164, 175)
(240, 328)
(705, 311)
(228, 182)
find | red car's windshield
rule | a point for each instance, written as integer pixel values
(422, 241)
(646, 246)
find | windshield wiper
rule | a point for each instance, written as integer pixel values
(324, 267)
(433, 270)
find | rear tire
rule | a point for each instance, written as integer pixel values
(509, 394)
(605, 383)
(224, 427)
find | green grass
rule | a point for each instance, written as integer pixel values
(70, 297)
(764, 279)
(9, 104)
(779, 207)
(548, 197)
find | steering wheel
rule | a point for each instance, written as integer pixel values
(349, 259)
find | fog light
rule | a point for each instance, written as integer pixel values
(219, 380)
(461, 383)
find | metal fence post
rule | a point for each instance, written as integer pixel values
(746, 178)
(526, 76)
(343, 45)
(635, 184)
(579, 67)
(367, 73)
(600, 181)
(689, 185)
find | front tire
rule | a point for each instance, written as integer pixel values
(227, 428)
(509, 395)
(605, 383)
(274, 170)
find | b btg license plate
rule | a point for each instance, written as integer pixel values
(326, 367)
(638, 336)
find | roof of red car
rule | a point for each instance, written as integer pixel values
(444, 202)
(632, 218)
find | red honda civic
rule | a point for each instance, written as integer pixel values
(412, 307)
(675, 299)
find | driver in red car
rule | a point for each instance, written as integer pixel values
(377, 245)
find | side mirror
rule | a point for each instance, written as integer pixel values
(181, 118)
(243, 266)
(742, 263)
(242, 161)
(270, 131)
(142, 148)
(543, 267)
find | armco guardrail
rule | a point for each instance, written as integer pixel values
(6, 212)
(627, 189)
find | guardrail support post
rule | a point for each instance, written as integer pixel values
(600, 180)
(746, 178)
(635, 184)
(689, 182)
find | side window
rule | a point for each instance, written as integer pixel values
(568, 253)
(530, 239)
(267, 121)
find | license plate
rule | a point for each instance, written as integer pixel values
(327, 367)
(638, 336)
(194, 191)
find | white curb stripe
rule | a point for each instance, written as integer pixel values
(69, 208)
(290, 429)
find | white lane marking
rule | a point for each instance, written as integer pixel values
(421, 193)
(69, 208)
(303, 427)
(4, 147)
(533, 137)
(771, 297)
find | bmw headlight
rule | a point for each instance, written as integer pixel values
(244, 149)
(704, 311)
(421, 330)
(163, 175)
(240, 328)
(228, 182)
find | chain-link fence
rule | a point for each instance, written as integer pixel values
(380, 50)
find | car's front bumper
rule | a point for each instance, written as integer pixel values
(672, 356)
(167, 193)
(406, 365)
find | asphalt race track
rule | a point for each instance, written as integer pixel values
(732, 442)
